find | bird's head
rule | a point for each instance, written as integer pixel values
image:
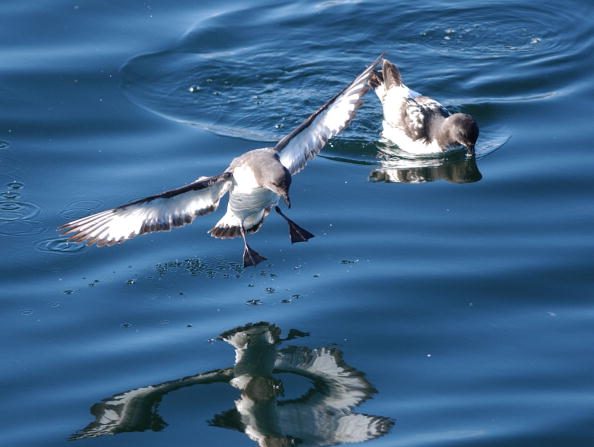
(280, 185)
(463, 130)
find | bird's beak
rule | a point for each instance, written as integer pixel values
(287, 200)
(470, 150)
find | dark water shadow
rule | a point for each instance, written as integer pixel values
(322, 415)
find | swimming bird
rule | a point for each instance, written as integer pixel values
(419, 124)
(255, 181)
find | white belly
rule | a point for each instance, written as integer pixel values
(415, 147)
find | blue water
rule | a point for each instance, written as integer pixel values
(442, 302)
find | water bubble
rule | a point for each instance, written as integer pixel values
(14, 210)
(194, 88)
(59, 245)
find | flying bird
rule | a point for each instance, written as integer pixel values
(418, 124)
(255, 181)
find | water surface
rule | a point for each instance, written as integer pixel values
(453, 298)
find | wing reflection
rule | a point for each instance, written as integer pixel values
(323, 415)
(455, 168)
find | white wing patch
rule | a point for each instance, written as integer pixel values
(307, 140)
(162, 212)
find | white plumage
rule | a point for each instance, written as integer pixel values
(417, 124)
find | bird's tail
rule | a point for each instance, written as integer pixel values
(229, 226)
(388, 77)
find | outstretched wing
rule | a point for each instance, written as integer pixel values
(417, 114)
(160, 212)
(137, 410)
(307, 140)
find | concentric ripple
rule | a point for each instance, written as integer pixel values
(80, 208)
(246, 84)
(16, 215)
(21, 228)
(17, 210)
(59, 246)
(488, 30)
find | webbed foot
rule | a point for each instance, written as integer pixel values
(297, 233)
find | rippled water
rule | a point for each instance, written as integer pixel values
(442, 302)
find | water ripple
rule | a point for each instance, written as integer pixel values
(16, 210)
(80, 208)
(21, 228)
(489, 31)
(246, 84)
(59, 245)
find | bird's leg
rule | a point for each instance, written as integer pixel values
(297, 233)
(250, 256)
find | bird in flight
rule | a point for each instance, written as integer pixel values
(255, 181)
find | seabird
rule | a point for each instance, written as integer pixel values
(419, 124)
(255, 181)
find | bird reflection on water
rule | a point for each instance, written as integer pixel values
(454, 168)
(322, 416)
